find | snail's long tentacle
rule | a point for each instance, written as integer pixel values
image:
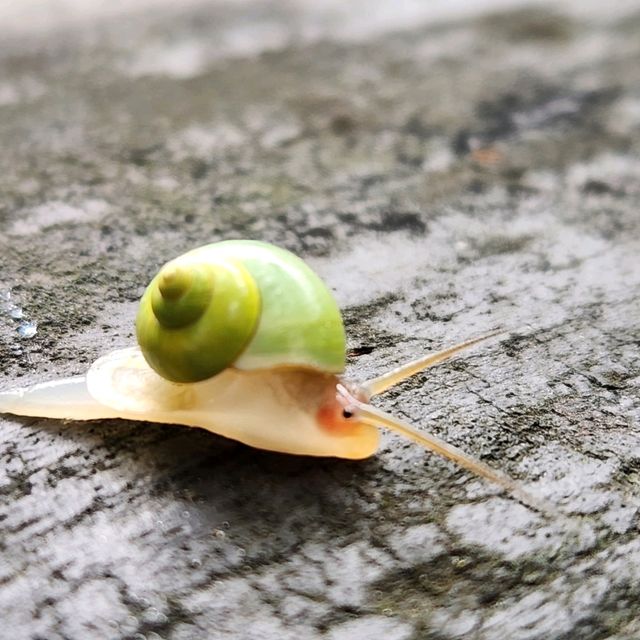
(387, 380)
(371, 415)
(67, 399)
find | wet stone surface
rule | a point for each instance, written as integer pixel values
(446, 173)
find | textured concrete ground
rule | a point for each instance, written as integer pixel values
(446, 172)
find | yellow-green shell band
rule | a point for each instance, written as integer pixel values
(196, 317)
(300, 322)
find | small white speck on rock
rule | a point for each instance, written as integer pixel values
(27, 329)
(372, 627)
(417, 544)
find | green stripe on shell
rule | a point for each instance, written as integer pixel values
(300, 323)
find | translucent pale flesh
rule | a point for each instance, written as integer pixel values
(273, 410)
(65, 399)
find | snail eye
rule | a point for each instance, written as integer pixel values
(346, 414)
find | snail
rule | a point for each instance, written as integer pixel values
(243, 339)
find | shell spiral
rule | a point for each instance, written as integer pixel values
(238, 303)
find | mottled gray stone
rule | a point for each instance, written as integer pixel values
(447, 169)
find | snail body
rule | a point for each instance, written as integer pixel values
(243, 339)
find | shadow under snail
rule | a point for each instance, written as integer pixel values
(243, 339)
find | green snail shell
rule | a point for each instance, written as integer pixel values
(238, 303)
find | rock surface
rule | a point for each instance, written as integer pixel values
(447, 170)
